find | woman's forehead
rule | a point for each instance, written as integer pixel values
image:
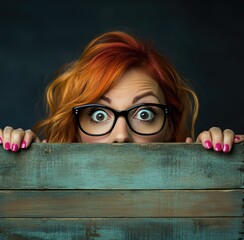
(135, 79)
(134, 84)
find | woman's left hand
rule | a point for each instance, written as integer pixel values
(220, 141)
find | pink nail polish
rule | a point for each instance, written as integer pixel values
(7, 146)
(237, 138)
(15, 147)
(226, 148)
(1, 141)
(208, 144)
(23, 144)
(218, 147)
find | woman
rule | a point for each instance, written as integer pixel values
(120, 90)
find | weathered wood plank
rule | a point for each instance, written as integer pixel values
(157, 203)
(121, 191)
(122, 229)
(121, 166)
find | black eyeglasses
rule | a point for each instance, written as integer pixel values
(99, 120)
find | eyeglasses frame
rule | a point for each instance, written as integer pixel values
(124, 113)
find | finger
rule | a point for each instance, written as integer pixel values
(44, 141)
(206, 139)
(16, 139)
(29, 138)
(189, 140)
(1, 136)
(217, 138)
(239, 138)
(228, 140)
(6, 137)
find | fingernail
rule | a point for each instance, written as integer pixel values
(208, 144)
(7, 146)
(218, 147)
(23, 144)
(226, 148)
(15, 147)
(1, 141)
(237, 138)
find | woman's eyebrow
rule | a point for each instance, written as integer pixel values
(106, 99)
(137, 98)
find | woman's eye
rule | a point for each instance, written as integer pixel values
(145, 115)
(99, 116)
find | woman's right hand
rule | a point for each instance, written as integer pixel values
(15, 139)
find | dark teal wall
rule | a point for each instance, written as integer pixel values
(204, 39)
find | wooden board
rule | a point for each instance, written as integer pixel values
(160, 203)
(121, 166)
(121, 228)
(121, 191)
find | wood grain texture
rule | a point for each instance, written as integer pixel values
(121, 191)
(121, 229)
(163, 203)
(121, 166)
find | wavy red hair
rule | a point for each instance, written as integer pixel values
(102, 63)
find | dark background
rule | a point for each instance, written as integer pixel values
(203, 39)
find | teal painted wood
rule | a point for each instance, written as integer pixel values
(121, 166)
(77, 182)
(103, 203)
(121, 229)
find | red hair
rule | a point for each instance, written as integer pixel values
(102, 63)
